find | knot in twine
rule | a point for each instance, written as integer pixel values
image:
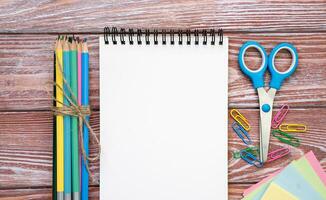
(75, 110)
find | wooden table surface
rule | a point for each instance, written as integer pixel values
(29, 28)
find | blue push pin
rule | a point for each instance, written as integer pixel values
(266, 108)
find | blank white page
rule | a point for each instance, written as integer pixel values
(163, 121)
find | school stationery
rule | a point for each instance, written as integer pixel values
(277, 154)
(238, 117)
(302, 178)
(258, 186)
(163, 123)
(242, 133)
(54, 152)
(276, 192)
(59, 122)
(312, 176)
(280, 115)
(85, 102)
(292, 180)
(79, 61)
(299, 128)
(67, 168)
(250, 158)
(74, 122)
(257, 77)
(309, 167)
(311, 158)
(253, 150)
(286, 138)
(79, 71)
(67, 122)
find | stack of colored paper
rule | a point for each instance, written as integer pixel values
(302, 179)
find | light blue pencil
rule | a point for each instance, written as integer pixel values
(67, 125)
(85, 88)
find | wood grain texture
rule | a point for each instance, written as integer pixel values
(38, 194)
(26, 71)
(91, 16)
(26, 147)
(235, 193)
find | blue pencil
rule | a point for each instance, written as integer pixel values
(67, 125)
(84, 101)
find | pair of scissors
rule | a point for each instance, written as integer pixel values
(266, 98)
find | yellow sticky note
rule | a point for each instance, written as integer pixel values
(276, 192)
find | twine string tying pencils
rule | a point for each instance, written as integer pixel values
(77, 111)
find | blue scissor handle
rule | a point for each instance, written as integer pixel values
(257, 76)
(277, 76)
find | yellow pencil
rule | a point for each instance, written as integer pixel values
(60, 152)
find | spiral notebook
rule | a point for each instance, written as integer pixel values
(163, 116)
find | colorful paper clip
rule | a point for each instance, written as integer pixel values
(286, 138)
(280, 115)
(279, 153)
(253, 150)
(242, 133)
(238, 117)
(299, 128)
(250, 159)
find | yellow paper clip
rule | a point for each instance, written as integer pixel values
(238, 117)
(301, 128)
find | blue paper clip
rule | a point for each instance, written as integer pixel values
(250, 159)
(242, 133)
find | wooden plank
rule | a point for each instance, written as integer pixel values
(38, 194)
(26, 146)
(235, 193)
(252, 16)
(26, 67)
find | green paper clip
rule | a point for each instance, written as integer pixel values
(286, 138)
(253, 150)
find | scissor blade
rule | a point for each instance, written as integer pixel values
(265, 130)
(265, 121)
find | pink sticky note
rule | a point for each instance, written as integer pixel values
(310, 156)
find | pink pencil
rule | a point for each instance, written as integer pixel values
(79, 53)
(79, 73)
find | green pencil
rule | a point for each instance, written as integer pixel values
(74, 123)
(67, 124)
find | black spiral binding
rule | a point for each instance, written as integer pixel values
(130, 35)
(147, 34)
(209, 37)
(188, 34)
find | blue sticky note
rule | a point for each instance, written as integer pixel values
(291, 180)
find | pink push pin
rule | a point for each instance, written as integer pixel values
(279, 153)
(280, 115)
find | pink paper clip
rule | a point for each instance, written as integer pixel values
(279, 153)
(280, 115)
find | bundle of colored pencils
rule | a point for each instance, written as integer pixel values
(71, 67)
